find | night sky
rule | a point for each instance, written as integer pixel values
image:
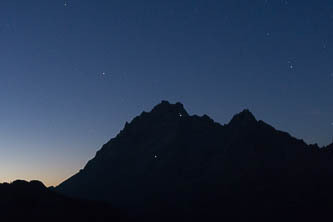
(73, 72)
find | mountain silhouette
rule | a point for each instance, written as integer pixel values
(168, 165)
(32, 201)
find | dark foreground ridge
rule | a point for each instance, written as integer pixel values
(166, 165)
(32, 201)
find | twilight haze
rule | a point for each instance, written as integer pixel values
(73, 72)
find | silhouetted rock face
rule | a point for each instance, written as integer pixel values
(32, 201)
(167, 162)
(243, 119)
(330, 147)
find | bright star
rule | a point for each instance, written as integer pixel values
(291, 66)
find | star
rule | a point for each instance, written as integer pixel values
(291, 66)
(65, 4)
(155, 156)
(180, 114)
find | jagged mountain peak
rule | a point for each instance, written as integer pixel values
(164, 113)
(164, 152)
(243, 118)
(166, 108)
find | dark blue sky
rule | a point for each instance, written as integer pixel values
(72, 72)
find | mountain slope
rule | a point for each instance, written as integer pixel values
(167, 162)
(32, 201)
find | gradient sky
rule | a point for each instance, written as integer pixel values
(72, 72)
